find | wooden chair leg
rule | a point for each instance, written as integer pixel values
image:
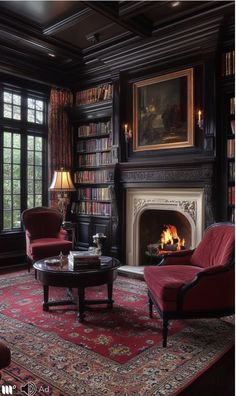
(165, 332)
(150, 304)
(29, 263)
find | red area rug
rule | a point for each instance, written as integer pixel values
(114, 352)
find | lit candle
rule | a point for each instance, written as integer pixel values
(199, 115)
(126, 128)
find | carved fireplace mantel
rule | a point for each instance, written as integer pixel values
(168, 171)
(185, 187)
(192, 173)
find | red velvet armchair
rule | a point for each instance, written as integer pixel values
(5, 356)
(195, 283)
(44, 234)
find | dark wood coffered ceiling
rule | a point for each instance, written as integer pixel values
(60, 41)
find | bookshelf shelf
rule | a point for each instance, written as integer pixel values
(93, 136)
(95, 200)
(92, 216)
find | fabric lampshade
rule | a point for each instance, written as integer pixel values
(62, 181)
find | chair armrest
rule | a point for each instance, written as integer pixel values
(28, 236)
(212, 288)
(213, 270)
(177, 258)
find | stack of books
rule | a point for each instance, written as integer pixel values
(82, 260)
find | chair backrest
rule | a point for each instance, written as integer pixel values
(216, 247)
(42, 222)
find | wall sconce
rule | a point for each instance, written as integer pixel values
(200, 119)
(127, 132)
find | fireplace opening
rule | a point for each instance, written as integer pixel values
(165, 230)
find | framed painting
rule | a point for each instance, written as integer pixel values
(163, 112)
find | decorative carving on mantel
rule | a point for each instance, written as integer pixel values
(167, 175)
(189, 207)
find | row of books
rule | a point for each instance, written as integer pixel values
(93, 129)
(232, 105)
(232, 124)
(93, 208)
(97, 159)
(230, 148)
(231, 195)
(93, 95)
(232, 215)
(94, 145)
(94, 176)
(231, 170)
(228, 63)
(93, 193)
(82, 260)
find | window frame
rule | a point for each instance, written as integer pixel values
(24, 128)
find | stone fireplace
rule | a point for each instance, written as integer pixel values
(180, 192)
(149, 209)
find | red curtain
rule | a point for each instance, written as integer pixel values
(60, 136)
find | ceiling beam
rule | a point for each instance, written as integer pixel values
(67, 22)
(140, 27)
(35, 37)
(129, 9)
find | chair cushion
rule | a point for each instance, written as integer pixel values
(48, 247)
(216, 247)
(164, 282)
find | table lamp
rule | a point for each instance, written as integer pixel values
(62, 184)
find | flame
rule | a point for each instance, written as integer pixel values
(169, 236)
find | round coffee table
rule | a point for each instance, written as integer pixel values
(60, 275)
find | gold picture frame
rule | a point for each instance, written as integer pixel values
(163, 112)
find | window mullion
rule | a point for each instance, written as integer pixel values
(12, 182)
(24, 108)
(23, 172)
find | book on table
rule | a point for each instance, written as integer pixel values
(83, 260)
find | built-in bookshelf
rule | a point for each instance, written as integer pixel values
(231, 158)
(226, 132)
(95, 160)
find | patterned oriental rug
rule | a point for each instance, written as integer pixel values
(114, 352)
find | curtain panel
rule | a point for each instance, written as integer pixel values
(60, 134)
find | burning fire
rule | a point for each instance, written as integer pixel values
(170, 240)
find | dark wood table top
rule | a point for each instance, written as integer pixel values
(106, 263)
